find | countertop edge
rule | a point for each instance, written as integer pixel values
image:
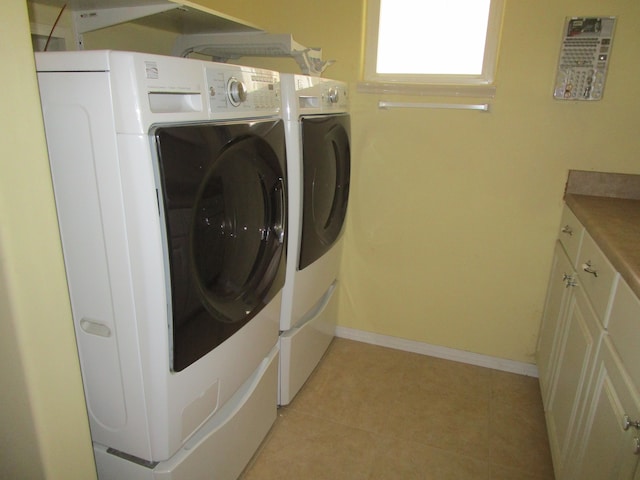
(605, 238)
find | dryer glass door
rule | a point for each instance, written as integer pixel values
(224, 207)
(326, 159)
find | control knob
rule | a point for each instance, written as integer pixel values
(236, 91)
(334, 95)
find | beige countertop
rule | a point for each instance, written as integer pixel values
(614, 224)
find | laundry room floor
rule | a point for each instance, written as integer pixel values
(372, 413)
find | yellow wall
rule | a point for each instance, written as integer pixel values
(45, 432)
(453, 213)
(333, 25)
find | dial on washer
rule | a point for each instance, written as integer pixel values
(236, 91)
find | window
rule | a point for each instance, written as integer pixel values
(435, 42)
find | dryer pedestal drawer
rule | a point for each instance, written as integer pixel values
(303, 346)
(222, 447)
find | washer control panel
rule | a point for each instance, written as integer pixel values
(233, 87)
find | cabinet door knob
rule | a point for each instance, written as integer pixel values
(627, 423)
(587, 267)
(567, 229)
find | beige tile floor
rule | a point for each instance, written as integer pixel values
(372, 413)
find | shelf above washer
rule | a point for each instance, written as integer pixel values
(222, 47)
(181, 17)
(199, 29)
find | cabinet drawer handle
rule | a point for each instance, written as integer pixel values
(569, 280)
(636, 446)
(567, 229)
(587, 267)
(628, 423)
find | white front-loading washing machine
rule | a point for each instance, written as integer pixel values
(317, 125)
(170, 184)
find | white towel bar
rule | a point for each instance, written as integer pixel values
(483, 107)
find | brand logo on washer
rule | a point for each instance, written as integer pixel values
(151, 69)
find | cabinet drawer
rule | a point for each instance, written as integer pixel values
(624, 329)
(597, 276)
(570, 234)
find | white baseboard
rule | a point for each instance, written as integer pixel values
(487, 361)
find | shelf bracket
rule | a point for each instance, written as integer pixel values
(222, 47)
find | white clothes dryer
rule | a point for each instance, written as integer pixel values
(169, 179)
(317, 125)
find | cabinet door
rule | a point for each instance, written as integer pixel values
(624, 329)
(551, 327)
(580, 339)
(606, 451)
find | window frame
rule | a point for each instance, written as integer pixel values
(393, 80)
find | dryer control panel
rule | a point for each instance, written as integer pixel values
(321, 93)
(335, 94)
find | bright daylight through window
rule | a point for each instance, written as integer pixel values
(451, 42)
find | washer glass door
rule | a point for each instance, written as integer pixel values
(326, 160)
(224, 205)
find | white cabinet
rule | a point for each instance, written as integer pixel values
(562, 276)
(606, 446)
(588, 350)
(562, 282)
(579, 343)
(604, 449)
(570, 235)
(597, 276)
